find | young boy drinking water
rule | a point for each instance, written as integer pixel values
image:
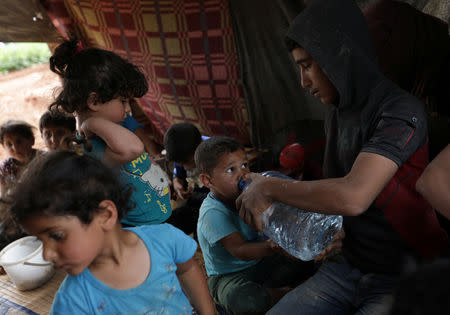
(74, 204)
(246, 276)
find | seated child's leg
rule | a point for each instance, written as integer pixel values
(285, 271)
(237, 294)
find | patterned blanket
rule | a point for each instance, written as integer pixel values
(186, 49)
(37, 301)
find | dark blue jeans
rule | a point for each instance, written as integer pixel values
(338, 288)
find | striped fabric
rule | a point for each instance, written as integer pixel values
(186, 48)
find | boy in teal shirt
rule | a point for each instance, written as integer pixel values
(246, 273)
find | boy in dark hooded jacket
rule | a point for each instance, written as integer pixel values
(376, 148)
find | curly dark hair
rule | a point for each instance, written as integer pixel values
(180, 142)
(57, 118)
(93, 70)
(64, 183)
(210, 151)
(18, 127)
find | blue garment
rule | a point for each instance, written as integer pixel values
(160, 293)
(131, 123)
(179, 171)
(216, 221)
(151, 195)
(338, 288)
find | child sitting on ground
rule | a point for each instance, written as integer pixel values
(247, 274)
(74, 204)
(97, 87)
(55, 127)
(17, 138)
(180, 142)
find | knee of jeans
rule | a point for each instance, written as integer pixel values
(250, 298)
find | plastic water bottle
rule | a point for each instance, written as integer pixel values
(302, 234)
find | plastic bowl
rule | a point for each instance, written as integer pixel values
(24, 264)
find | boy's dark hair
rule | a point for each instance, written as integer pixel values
(210, 151)
(64, 183)
(18, 127)
(180, 142)
(56, 118)
(93, 70)
(290, 44)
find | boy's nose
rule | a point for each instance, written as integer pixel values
(243, 172)
(304, 80)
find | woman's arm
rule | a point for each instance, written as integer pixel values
(193, 282)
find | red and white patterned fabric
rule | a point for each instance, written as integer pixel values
(186, 49)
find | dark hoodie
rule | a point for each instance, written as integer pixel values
(372, 115)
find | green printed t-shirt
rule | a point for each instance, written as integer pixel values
(151, 193)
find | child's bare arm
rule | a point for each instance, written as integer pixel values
(239, 248)
(122, 145)
(193, 283)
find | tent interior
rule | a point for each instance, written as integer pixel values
(221, 64)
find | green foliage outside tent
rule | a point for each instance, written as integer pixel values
(15, 56)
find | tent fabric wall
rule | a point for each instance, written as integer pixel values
(278, 106)
(186, 49)
(24, 21)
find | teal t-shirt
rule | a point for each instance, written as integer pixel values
(160, 293)
(215, 222)
(151, 194)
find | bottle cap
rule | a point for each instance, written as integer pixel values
(242, 184)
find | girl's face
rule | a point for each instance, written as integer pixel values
(115, 110)
(18, 147)
(68, 243)
(223, 181)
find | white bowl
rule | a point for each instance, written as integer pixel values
(24, 264)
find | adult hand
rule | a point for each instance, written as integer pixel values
(253, 201)
(178, 186)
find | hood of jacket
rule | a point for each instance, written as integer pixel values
(336, 35)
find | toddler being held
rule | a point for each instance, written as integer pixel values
(97, 88)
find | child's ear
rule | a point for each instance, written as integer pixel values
(107, 214)
(205, 179)
(92, 101)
